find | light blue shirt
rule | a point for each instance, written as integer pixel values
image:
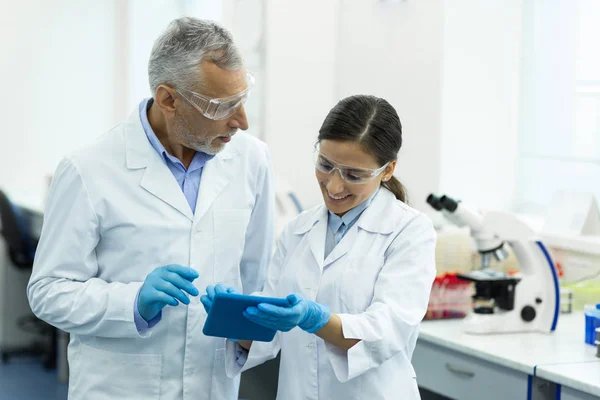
(188, 179)
(337, 227)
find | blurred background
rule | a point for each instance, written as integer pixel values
(499, 101)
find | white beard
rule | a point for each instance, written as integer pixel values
(204, 144)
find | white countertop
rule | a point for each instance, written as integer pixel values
(584, 377)
(519, 351)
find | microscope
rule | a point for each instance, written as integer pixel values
(525, 302)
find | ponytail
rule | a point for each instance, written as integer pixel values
(394, 186)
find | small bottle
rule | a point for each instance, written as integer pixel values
(592, 321)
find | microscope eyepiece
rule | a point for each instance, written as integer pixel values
(449, 203)
(434, 201)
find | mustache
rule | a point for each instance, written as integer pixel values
(230, 133)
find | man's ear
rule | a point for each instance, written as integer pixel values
(165, 99)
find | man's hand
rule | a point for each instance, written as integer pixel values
(208, 298)
(165, 286)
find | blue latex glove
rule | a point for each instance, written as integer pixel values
(164, 286)
(211, 291)
(306, 314)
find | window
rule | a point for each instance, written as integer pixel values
(560, 102)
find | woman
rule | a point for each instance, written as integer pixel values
(360, 268)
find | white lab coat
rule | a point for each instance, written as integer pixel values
(377, 279)
(114, 213)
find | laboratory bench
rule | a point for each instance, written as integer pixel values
(578, 381)
(533, 366)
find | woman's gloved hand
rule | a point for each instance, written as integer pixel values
(211, 291)
(164, 286)
(306, 314)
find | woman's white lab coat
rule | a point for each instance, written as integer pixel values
(377, 279)
(115, 213)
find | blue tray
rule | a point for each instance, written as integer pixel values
(226, 320)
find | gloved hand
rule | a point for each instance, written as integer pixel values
(208, 298)
(306, 314)
(164, 286)
(211, 291)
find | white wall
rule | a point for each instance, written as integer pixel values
(71, 71)
(319, 52)
(145, 24)
(450, 68)
(299, 66)
(394, 50)
(57, 69)
(245, 20)
(480, 100)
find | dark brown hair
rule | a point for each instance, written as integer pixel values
(373, 123)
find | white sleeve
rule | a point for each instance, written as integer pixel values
(259, 236)
(399, 304)
(63, 289)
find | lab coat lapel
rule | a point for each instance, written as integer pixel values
(342, 247)
(316, 239)
(374, 219)
(216, 175)
(371, 220)
(314, 229)
(157, 179)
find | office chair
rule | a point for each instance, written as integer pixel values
(21, 250)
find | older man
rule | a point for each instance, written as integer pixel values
(170, 200)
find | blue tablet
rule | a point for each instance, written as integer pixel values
(226, 320)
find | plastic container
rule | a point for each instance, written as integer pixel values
(592, 322)
(450, 297)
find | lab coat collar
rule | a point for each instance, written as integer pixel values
(138, 149)
(216, 175)
(379, 217)
(375, 219)
(158, 179)
(308, 220)
(314, 222)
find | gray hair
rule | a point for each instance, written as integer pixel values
(183, 46)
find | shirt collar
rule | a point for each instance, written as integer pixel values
(351, 216)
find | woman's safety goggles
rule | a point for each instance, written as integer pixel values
(349, 174)
(219, 109)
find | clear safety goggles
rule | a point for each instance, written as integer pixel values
(219, 109)
(349, 174)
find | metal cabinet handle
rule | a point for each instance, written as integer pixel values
(459, 371)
